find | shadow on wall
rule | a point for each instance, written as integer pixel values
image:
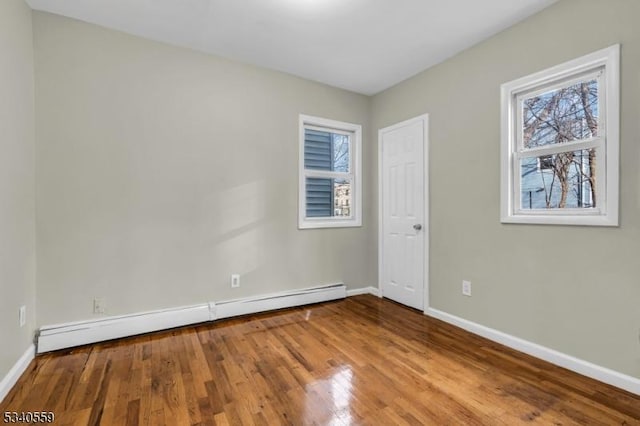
(232, 227)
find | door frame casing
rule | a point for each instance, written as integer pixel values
(424, 118)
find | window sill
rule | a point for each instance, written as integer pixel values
(582, 220)
(323, 223)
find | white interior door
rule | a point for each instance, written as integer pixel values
(403, 230)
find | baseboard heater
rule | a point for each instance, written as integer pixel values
(233, 308)
(60, 336)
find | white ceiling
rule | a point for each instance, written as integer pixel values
(361, 45)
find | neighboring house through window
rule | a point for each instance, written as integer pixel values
(560, 143)
(330, 183)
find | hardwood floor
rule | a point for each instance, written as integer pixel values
(362, 360)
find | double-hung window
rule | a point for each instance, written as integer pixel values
(560, 143)
(330, 176)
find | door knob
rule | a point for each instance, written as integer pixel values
(417, 227)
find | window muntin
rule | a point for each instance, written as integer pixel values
(560, 143)
(329, 173)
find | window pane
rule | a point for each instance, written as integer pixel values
(562, 115)
(340, 152)
(341, 198)
(319, 197)
(328, 197)
(326, 151)
(565, 180)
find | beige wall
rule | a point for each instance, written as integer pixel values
(161, 171)
(574, 289)
(17, 221)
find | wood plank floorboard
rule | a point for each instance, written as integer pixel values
(362, 360)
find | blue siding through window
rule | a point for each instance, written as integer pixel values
(318, 155)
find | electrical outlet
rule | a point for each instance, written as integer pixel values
(99, 305)
(22, 315)
(235, 280)
(466, 288)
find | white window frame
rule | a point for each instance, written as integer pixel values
(354, 174)
(603, 65)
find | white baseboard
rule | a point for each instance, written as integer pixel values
(16, 371)
(232, 308)
(60, 336)
(53, 337)
(605, 375)
(365, 290)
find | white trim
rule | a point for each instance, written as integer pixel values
(59, 336)
(11, 378)
(577, 365)
(380, 216)
(289, 299)
(559, 148)
(354, 175)
(365, 290)
(425, 122)
(608, 60)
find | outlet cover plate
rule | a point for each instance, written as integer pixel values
(99, 305)
(22, 315)
(235, 280)
(466, 288)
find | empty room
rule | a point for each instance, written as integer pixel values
(320, 212)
